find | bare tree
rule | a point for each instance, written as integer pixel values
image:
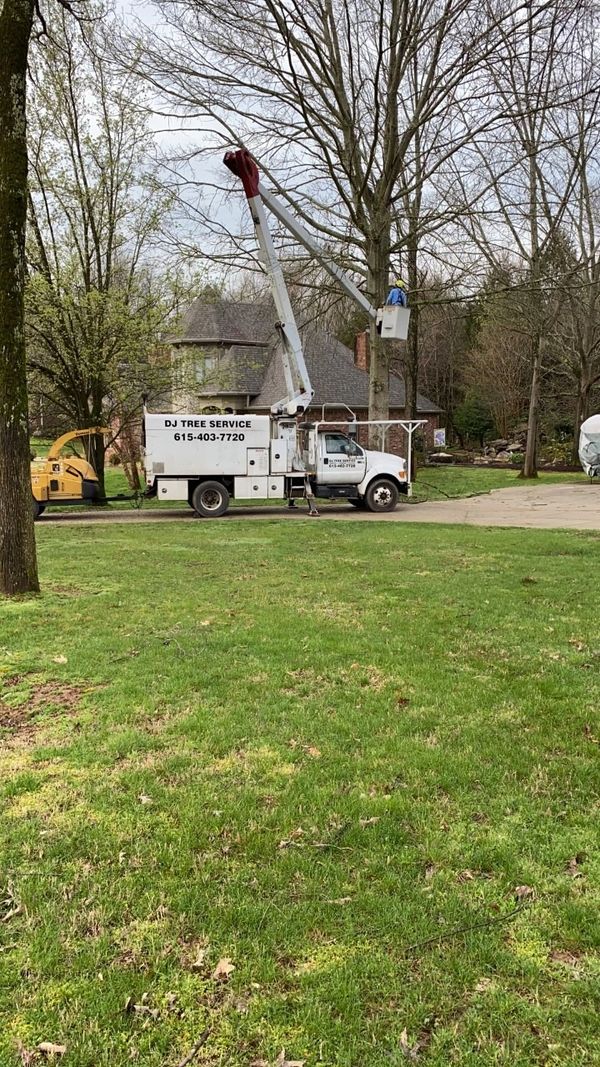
(525, 173)
(577, 127)
(352, 105)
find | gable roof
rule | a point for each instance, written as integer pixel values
(250, 365)
(334, 377)
(242, 369)
(226, 322)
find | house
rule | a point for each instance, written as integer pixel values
(224, 359)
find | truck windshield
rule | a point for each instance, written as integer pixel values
(339, 444)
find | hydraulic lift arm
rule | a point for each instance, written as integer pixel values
(392, 322)
(299, 388)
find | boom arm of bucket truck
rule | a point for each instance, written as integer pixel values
(299, 389)
(392, 321)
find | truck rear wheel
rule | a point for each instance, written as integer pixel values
(38, 509)
(382, 495)
(210, 499)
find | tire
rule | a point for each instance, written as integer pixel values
(210, 500)
(38, 509)
(382, 495)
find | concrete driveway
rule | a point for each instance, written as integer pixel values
(542, 507)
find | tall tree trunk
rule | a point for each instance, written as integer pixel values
(18, 567)
(581, 413)
(97, 459)
(411, 359)
(530, 465)
(379, 375)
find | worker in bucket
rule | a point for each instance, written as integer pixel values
(397, 294)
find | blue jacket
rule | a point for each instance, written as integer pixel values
(397, 296)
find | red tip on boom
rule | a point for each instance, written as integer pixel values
(243, 166)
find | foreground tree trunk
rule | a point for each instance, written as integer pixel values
(18, 567)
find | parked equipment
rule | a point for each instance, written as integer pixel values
(208, 459)
(60, 479)
(589, 446)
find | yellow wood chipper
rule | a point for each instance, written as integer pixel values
(61, 479)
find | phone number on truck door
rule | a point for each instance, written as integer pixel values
(209, 436)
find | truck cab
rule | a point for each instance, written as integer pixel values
(343, 468)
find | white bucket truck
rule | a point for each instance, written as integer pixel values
(207, 460)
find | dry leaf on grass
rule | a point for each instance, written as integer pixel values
(465, 876)
(223, 969)
(145, 799)
(282, 1062)
(48, 1048)
(572, 867)
(26, 1057)
(369, 822)
(313, 751)
(339, 900)
(293, 838)
(199, 962)
(483, 985)
(17, 910)
(524, 892)
(59, 659)
(411, 1052)
(561, 955)
(131, 1008)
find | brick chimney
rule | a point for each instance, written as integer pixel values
(362, 356)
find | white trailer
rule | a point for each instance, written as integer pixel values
(207, 460)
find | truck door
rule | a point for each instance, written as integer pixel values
(340, 461)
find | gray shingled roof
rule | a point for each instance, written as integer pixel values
(226, 321)
(250, 364)
(242, 369)
(333, 375)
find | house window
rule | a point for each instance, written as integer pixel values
(205, 368)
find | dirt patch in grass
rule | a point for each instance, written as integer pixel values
(19, 719)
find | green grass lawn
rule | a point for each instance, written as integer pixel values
(437, 483)
(358, 762)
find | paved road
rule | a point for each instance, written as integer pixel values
(571, 507)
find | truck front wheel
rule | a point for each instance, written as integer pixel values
(210, 499)
(382, 495)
